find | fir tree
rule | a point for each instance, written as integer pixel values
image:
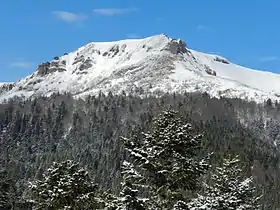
(129, 198)
(167, 158)
(180, 205)
(7, 192)
(64, 186)
(227, 190)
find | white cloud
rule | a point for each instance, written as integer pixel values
(69, 16)
(201, 27)
(21, 64)
(113, 11)
(133, 36)
(269, 58)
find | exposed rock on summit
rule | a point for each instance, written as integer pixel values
(176, 46)
(156, 65)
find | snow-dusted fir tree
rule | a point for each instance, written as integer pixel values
(64, 186)
(130, 198)
(7, 194)
(167, 159)
(227, 190)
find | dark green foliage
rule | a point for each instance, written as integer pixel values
(130, 185)
(64, 186)
(33, 134)
(167, 158)
(131, 188)
(7, 191)
(227, 189)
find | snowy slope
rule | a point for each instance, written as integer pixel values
(153, 65)
(2, 84)
(5, 87)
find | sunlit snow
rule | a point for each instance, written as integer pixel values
(156, 64)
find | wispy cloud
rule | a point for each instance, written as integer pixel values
(268, 58)
(201, 27)
(133, 36)
(113, 11)
(21, 64)
(69, 16)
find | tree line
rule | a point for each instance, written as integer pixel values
(35, 133)
(164, 172)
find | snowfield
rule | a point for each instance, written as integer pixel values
(153, 65)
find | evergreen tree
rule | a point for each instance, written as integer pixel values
(129, 198)
(180, 205)
(7, 192)
(167, 159)
(31, 141)
(227, 190)
(64, 186)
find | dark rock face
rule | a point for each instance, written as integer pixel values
(78, 59)
(210, 71)
(34, 82)
(43, 68)
(176, 47)
(182, 47)
(6, 87)
(50, 67)
(60, 69)
(54, 64)
(113, 51)
(86, 64)
(221, 60)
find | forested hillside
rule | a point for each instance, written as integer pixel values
(35, 133)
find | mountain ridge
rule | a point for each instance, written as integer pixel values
(153, 65)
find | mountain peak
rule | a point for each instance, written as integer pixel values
(154, 65)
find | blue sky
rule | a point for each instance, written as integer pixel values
(246, 32)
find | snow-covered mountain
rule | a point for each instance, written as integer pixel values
(5, 87)
(154, 65)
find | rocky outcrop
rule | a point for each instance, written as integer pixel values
(79, 59)
(165, 63)
(5, 87)
(176, 47)
(43, 68)
(210, 71)
(86, 64)
(114, 50)
(222, 60)
(50, 67)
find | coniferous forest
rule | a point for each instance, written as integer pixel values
(185, 151)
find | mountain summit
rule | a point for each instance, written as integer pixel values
(153, 65)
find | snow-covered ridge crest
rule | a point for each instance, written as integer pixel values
(153, 65)
(5, 87)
